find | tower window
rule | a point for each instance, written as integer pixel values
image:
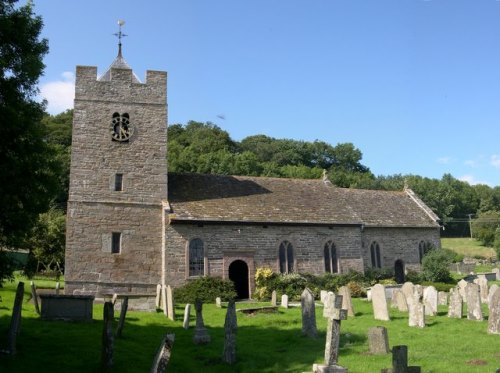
(116, 242)
(118, 182)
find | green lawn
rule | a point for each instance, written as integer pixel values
(265, 342)
(468, 247)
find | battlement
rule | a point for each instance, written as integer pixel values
(89, 87)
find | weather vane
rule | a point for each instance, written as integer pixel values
(120, 35)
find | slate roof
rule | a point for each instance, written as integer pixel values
(118, 63)
(245, 199)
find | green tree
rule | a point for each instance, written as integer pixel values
(28, 168)
(435, 266)
(484, 227)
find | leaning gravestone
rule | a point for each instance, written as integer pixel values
(284, 301)
(123, 313)
(456, 304)
(163, 299)
(163, 354)
(430, 300)
(187, 313)
(35, 297)
(400, 361)
(200, 333)
(378, 340)
(379, 303)
(15, 321)
(107, 337)
(230, 328)
(494, 314)
(346, 300)
(308, 314)
(472, 295)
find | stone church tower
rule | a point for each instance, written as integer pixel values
(118, 182)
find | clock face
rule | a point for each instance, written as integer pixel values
(121, 129)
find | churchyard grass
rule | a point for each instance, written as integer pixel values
(266, 342)
(468, 247)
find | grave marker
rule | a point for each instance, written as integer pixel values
(455, 309)
(35, 297)
(163, 354)
(230, 328)
(379, 303)
(187, 313)
(170, 303)
(472, 295)
(15, 321)
(416, 310)
(284, 301)
(430, 300)
(346, 300)
(121, 321)
(273, 298)
(158, 296)
(442, 298)
(107, 336)
(400, 361)
(200, 333)
(494, 314)
(308, 314)
(218, 302)
(378, 340)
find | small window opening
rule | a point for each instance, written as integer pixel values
(119, 182)
(116, 242)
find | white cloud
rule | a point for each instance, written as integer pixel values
(495, 161)
(472, 181)
(59, 94)
(444, 160)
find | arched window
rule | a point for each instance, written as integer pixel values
(375, 255)
(286, 257)
(423, 248)
(330, 256)
(196, 258)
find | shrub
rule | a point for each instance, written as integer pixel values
(292, 284)
(205, 289)
(414, 276)
(435, 266)
(440, 286)
(265, 283)
(357, 289)
(373, 276)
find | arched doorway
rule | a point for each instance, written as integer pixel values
(399, 271)
(238, 273)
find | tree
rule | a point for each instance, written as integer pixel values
(435, 266)
(28, 168)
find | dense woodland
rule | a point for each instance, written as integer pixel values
(35, 158)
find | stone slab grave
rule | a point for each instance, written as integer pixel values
(494, 313)
(308, 308)
(416, 309)
(473, 299)
(230, 329)
(400, 361)
(379, 303)
(455, 307)
(67, 307)
(378, 340)
(263, 309)
(430, 300)
(163, 354)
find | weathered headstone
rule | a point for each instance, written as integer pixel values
(400, 361)
(492, 290)
(158, 296)
(107, 336)
(163, 354)
(329, 303)
(273, 298)
(379, 303)
(284, 301)
(494, 313)
(456, 304)
(187, 313)
(15, 321)
(308, 314)
(407, 290)
(58, 287)
(416, 310)
(482, 282)
(378, 340)
(323, 294)
(123, 314)
(230, 328)
(346, 300)
(200, 333)
(472, 295)
(430, 300)
(496, 271)
(218, 302)
(442, 298)
(400, 300)
(163, 299)
(170, 303)
(461, 288)
(35, 297)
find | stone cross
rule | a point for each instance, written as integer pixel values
(162, 357)
(15, 321)
(107, 337)
(473, 298)
(230, 328)
(378, 340)
(123, 314)
(187, 313)
(400, 361)
(170, 303)
(35, 297)
(308, 314)
(494, 315)
(200, 333)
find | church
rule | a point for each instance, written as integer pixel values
(132, 225)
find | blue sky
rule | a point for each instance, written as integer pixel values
(413, 84)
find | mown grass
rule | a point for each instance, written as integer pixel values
(265, 342)
(468, 247)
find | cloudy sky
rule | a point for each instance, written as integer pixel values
(413, 84)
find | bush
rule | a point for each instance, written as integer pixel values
(357, 289)
(440, 286)
(414, 276)
(435, 266)
(265, 283)
(205, 289)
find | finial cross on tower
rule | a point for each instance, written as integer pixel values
(120, 35)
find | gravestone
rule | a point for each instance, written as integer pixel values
(107, 336)
(200, 333)
(461, 288)
(163, 354)
(346, 300)
(472, 295)
(400, 361)
(15, 321)
(218, 302)
(494, 313)
(416, 310)
(273, 298)
(329, 303)
(67, 307)
(379, 303)
(308, 314)
(430, 300)
(455, 308)
(323, 294)
(123, 313)
(442, 298)
(496, 271)
(58, 287)
(492, 290)
(158, 296)
(170, 303)
(187, 313)
(400, 300)
(163, 299)
(284, 301)
(230, 328)
(482, 282)
(407, 290)
(35, 297)
(378, 340)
